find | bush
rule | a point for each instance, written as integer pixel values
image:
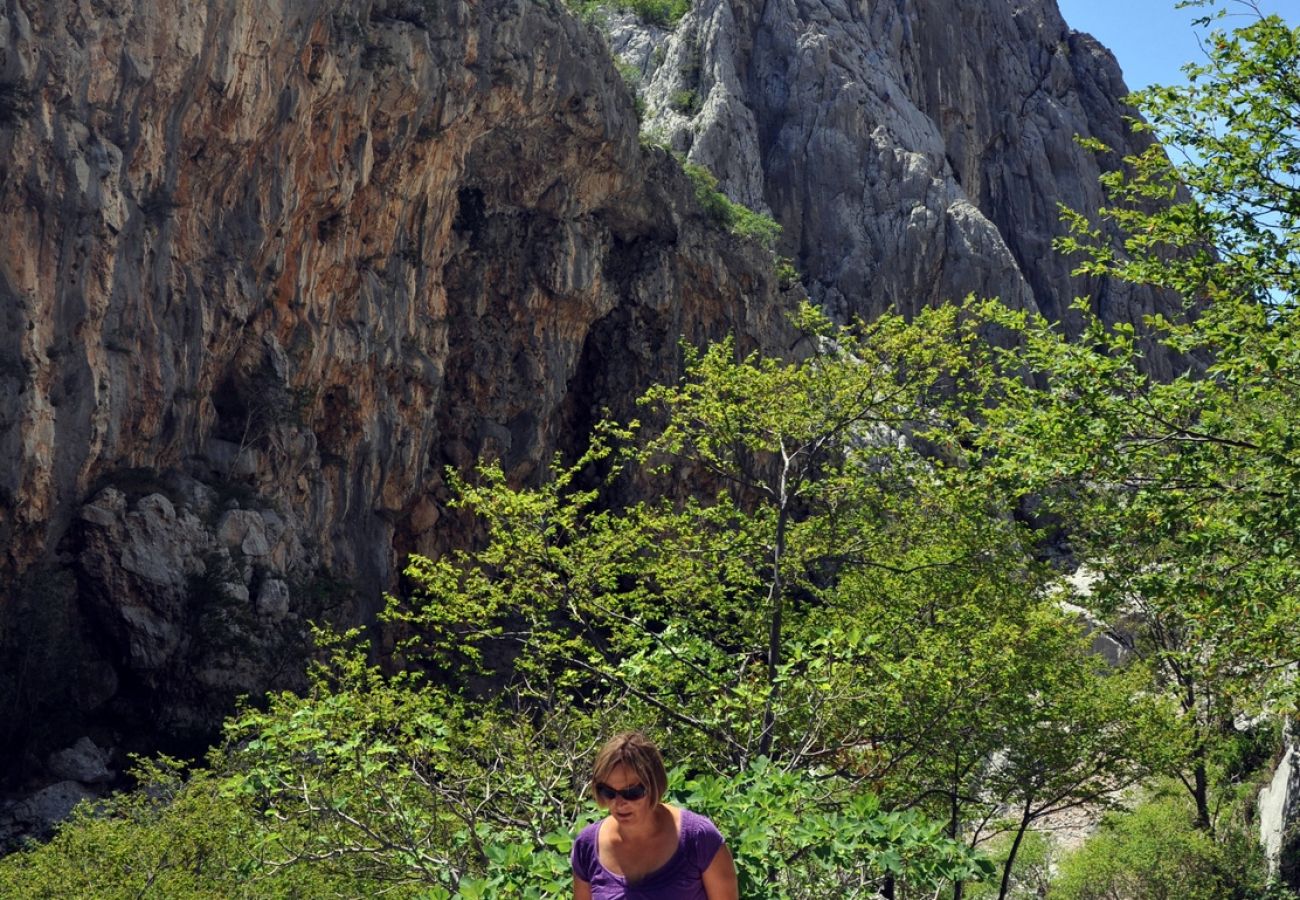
(786, 273)
(793, 837)
(1155, 852)
(664, 13)
(737, 218)
(686, 101)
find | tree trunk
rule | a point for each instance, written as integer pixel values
(954, 817)
(954, 822)
(1201, 793)
(775, 603)
(1011, 855)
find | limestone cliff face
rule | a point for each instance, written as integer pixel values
(914, 151)
(266, 269)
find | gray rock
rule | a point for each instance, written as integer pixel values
(105, 509)
(83, 762)
(159, 545)
(273, 599)
(1279, 814)
(640, 45)
(255, 543)
(138, 562)
(243, 529)
(194, 495)
(50, 805)
(913, 152)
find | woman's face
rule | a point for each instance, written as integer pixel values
(627, 812)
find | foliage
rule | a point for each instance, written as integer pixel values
(835, 624)
(735, 217)
(664, 13)
(786, 273)
(396, 782)
(172, 837)
(685, 101)
(835, 597)
(792, 836)
(1157, 852)
(1234, 129)
(1181, 494)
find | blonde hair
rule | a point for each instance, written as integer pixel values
(636, 751)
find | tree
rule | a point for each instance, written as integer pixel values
(1155, 851)
(844, 594)
(1182, 495)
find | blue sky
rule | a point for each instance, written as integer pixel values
(1150, 38)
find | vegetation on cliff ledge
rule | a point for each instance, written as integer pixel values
(664, 13)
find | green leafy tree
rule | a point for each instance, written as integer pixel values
(1181, 494)
(843, 593)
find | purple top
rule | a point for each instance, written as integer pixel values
(681, 878)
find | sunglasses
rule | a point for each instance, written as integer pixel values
(607, 793)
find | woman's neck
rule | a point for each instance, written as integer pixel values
(653, 825)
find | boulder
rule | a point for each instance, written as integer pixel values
(83, 761)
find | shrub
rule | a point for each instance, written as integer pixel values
(737, 218)
(686, 102)
(1155, 852)
(664, 13)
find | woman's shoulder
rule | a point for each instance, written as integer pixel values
(700, 837)
(589, 833)
(695, 823)
(585, 853)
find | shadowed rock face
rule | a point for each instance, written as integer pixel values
(915, 152)
(266, 269)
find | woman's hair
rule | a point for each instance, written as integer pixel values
(636, 751)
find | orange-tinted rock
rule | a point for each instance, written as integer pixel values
(310, 255)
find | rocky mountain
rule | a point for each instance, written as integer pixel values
(915, 152)
(268, 268)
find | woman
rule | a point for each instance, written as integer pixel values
(646, 848)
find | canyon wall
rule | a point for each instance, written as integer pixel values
(267, 269)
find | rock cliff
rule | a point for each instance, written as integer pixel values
(268, 268)
(915, 152)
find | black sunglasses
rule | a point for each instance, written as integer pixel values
(607, 793)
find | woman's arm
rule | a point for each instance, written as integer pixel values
(719, 878)
(581, 889)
